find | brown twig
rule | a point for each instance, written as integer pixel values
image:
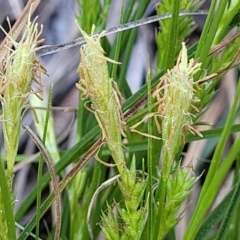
(54, 178)
(18, 27)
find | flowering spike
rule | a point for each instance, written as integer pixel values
(17, 72)
(96, 84)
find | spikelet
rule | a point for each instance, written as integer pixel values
(96, 84)
(18, 68)
(175, 94)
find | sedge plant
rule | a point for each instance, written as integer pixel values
(134, 184)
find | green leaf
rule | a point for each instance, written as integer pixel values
(229, 214)
(216, 215)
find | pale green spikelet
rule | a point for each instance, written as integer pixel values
(129, 224)
(96, 84)
(19, 69)
(179, 186)
(109, 225)
(132, 187)
(175, 94)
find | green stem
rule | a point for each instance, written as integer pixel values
(172, 37)
(6, 199)
(162, 195)
(150, 163)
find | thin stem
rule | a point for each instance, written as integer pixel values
(46, 50)
(5, 197)
(150, 162)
